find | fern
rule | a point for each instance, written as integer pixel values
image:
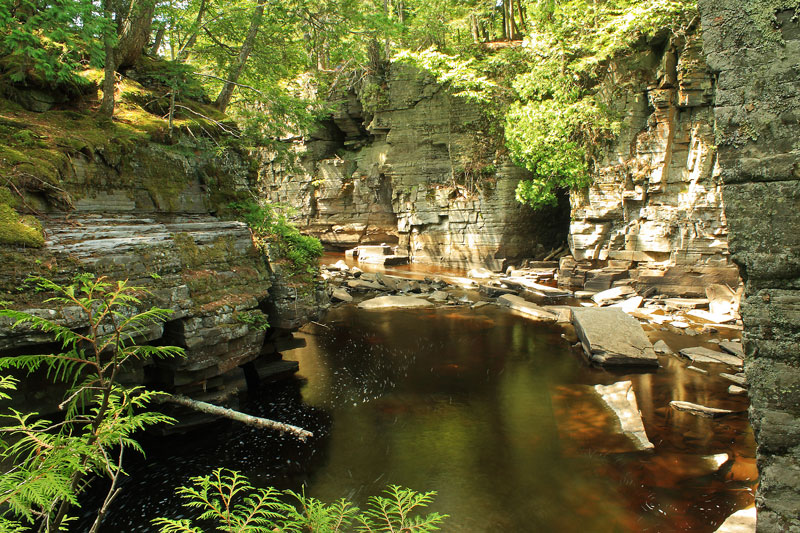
(226, 499)
(51, 460)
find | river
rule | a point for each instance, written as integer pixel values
(495, 413)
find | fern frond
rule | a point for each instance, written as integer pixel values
(175, 526)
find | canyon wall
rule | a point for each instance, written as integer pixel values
(145, 214)
(654, 215)
(420, 170)
(756, 57)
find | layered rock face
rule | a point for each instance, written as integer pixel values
(755, 53)
(655, 211)
(419, 171)
(145, 217)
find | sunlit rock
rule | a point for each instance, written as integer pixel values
(610, 336)
(525, 307)
(387, 302)
(742, 521)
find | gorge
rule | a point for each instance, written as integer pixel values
(697, 188)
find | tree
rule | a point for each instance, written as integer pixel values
(224, 98)
(51, 461)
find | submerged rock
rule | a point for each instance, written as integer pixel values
(610, 336)
(387, 302)
(622, 400)
(525, 307)
(701, 410)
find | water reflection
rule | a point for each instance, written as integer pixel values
(495, 413)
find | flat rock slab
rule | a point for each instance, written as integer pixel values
(622, 400)
(686, 303)
(733, 348)
(612, 337)
(701, 410)
(704, 355)
(388, 302)
(739, 380)
(612, 295)
(525, 307)
(538, 289)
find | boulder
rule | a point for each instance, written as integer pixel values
(341, 295)
(662, 347)
(388, 302)
(438, 296)
(525, 307)
(612, 337)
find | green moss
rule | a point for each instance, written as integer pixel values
(17, 230)
(763, 14)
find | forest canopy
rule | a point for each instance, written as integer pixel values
(271, 64)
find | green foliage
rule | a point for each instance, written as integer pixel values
(458, 74)
(45, 42)
(227, 499)
(274, 233)
(256, 320)
(557, 123)
(46, 463)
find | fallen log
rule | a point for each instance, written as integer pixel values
(244, 418)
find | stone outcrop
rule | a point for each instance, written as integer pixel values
(146, 216)
(419, 171)
(755, 53)
(654, 215)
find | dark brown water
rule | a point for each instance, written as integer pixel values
(490, 410)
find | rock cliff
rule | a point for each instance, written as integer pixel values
(420, 171)
(655, 211)
(145, 214)
(754, 50)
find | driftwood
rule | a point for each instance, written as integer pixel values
(250, 420)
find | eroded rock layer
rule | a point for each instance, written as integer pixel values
(655, 210)
(145, 217)
(755, 53)
(419, 171)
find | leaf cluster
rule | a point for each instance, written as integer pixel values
(46, 41)
(558, 122)
(51, 461)
(275, 234)
(227, 499)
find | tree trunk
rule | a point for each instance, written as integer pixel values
(134, 32)
(237, 67)
(109, 69)
(162, 29)
(473, 26)
(504, 34)
(401, 11)
(183, 54)
(522, 22)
